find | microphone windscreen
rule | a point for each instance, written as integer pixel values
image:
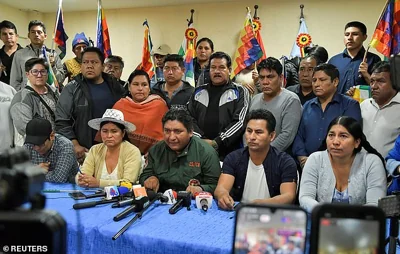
(151, 194)
(123, 190)
(162, 198)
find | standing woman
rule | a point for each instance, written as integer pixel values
(144, 110)
(204, 49)
(341, 172)
(113, 161)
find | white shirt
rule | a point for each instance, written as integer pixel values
(256, 186)
(381, 126)
(6, 127)
(106, 176)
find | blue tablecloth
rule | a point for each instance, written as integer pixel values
(157, 232)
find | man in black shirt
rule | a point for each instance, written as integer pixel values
(304, 88)
(220, 108)
(9, 36)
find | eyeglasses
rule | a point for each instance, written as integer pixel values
(36, 72)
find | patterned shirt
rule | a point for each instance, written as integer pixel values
(63, 164)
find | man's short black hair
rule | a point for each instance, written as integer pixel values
(357, 24)
(328, 69)
(180, 115)
(9, 25)
(32, 62)
(262, 114)
(115, 59)
(222, 55)
(36, 23)
(381, 66)
(175, 58)
(270, 64)
(95, 50)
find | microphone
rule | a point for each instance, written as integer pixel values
(184, 200)
(111, 191)
(93, 203)
(171, 196)
(137, 206)
(140, 209)
(204, 201)
(114, 191)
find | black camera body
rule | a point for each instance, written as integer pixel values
(21, 229)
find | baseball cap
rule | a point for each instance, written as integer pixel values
(163, 50)
(37, 131)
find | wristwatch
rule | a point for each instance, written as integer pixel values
(214, 145)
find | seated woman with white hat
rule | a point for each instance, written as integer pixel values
(114, 160)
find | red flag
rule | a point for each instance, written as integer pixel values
(147, 61)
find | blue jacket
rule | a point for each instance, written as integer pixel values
(279, 168)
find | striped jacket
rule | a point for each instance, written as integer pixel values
(233, 107)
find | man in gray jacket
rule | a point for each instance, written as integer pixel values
(37, 35)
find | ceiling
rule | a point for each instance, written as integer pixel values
(46, 6)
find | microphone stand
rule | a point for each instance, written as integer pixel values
(138, 215)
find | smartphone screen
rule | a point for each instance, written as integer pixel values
(77, 195)
(270, 230)
(348, 236)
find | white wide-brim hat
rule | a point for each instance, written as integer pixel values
(112, 115)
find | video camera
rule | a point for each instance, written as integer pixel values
(21, 182)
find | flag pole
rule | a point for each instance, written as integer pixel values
(55, 27)
(256, 18)
(190, 21)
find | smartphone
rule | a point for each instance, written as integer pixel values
(347, 229)
(77, 195)
(270, 229)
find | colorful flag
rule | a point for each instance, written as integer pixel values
(362, 93)
(386, 38)
(60, 37)
(190, 36)
(51, 77)
(103, 38)
(257, 29)
(248, 50)
(147, 61)
(303, 39)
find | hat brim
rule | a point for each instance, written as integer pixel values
(95, 123)
(35, 140)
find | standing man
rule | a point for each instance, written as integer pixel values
(283, 104)
(37, 98)
(37, 35)
(220, 107)
(114, 65)
(380, 114)
(6, 127)
(174, 90)
(259, 173)
(320, 111)
(72, 67)
(85, 98)
(180, 157)
(353, 68)
(9, 36)
(159, 53)
(304, 89)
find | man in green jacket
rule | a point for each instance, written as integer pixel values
(180, 158)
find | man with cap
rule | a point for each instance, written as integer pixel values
(72, 66)
(52, 152)
(159, 53)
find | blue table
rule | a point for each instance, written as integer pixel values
(157, 232)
